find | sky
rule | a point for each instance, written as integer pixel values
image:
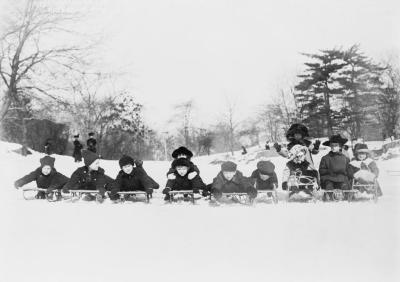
(212, 51)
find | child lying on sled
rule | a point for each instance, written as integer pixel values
(297, 168)
(181, 180)
(364, 168)
(46, 177)
(264, 176)
(230, 180)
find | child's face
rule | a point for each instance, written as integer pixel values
(229, 175)
(127, 168)
(182, 170)
(46, 170)
(335, 147)
(95, 165)
(298, 136)
(300, 157)
(361, 156)
(264, 177)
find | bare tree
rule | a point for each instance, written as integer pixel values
(29, 65)
(230, 123)
(183, 116)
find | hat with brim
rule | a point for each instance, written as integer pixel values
(335, 139)
(182, 151)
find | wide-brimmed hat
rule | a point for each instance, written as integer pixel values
(335, 139)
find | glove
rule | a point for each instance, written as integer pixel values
(138, 163)
(345, 147)
(149, 190)
(171, 176)
(16, 186)
(277, 147)
(284, 186)
(166, 190)
(192, 175)
(317, 143)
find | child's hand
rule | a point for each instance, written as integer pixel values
(171, 176)
(16, 186)
(192, 175)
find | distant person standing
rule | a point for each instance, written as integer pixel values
(91, 143)
(77, 149)
(244, 151)
(267, 147)
(48, 147)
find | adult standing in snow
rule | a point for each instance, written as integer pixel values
(91, 143)
(48, 147)
(77, 154)
(46, 177)
(297, 135)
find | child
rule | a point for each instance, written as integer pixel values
(299, 166)
(334, 168)
(77, 149)
(180, 178)
(264, 176)
(91, 143)
(89, 177)
(46, 176)
(130, 178)
(230, 180)
(364, 168)
(183, 152)
(296, 135)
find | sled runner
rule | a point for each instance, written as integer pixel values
(300, 183)
(339, 195)
(173, 194)
(263, 195)
(369, 188)
(31, 194)
(132, 195)
(240, 198)
(76, 195)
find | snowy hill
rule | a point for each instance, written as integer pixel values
(42, 241)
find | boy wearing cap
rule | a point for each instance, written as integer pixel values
(77, 154)
(334, 167)
(230, 180)
(46, 177)
(181, 179)
(264, 176)
(130, 178)
(88, 177)
(364, 168)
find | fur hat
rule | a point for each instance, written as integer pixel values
(126, 160)
(89, 157)
(182, 151)
(335, 139)
(181, 162)
(266, 167)
(297, 128)
(91, 134)
(47, 160)
(228, 166)
(361, 148)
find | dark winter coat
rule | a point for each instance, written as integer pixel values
(77, 154)
(292, 168)
(335, 167)
(264, 185)
(54, 180)
(153, 183)
(135, 181)
(238, 184)
(83, 179)
(91, 144)
(184, 183)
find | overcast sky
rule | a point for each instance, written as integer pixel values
(206, 50)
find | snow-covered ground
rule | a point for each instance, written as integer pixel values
(42, 241)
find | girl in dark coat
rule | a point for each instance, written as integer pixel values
(89, 177)
(77, 154)
(363, 167)
(180, 179)
(334, 168)
(264, 176)
(130, 178)
(230, 180)
(46, 177)
(183, 152)
(297, 135)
